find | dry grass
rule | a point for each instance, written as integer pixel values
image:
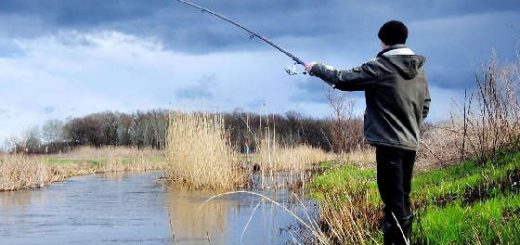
(440, 145)
(287, 167)
(486, 124)
(19, 171)
(365, 157)
(110, 152)
(352, 222)
(272, 156)
(89, 160)
(199, 153)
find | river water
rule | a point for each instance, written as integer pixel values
(138, 209)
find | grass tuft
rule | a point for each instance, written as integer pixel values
(199, 153)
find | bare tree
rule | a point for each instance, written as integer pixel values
(343, 136)
(52, 131)
(12, 143)
(485, 125)
(32, 139)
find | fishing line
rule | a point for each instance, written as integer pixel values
(291, 69)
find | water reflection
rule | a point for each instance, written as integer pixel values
(192, 222)
(224, 220)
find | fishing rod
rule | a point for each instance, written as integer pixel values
(291, 69)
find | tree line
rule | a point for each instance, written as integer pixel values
(149, 128)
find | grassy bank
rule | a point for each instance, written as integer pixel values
(457, 204)
(18, 171)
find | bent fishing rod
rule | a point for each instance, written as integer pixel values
(291, 70)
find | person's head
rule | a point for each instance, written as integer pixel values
(392, 32)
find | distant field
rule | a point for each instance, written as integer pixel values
(22, 171)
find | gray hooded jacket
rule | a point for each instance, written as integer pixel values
(396, 93)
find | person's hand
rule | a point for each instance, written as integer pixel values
(308, 67)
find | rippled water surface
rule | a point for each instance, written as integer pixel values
(137, 209)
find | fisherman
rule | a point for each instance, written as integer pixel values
(397, 101)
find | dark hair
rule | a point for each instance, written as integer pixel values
(393, 32)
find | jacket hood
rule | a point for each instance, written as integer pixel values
(406, 62)
(407, 65)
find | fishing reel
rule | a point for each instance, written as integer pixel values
(292, 71)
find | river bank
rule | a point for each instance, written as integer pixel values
(20, 171)
(480, 201)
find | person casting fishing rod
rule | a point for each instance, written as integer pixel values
(397, 101)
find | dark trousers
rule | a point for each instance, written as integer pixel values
(394, 180)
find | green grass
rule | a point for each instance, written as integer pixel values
(456, 181)
(455, 204)
(496, 220)
(453, 181)
(346, 178)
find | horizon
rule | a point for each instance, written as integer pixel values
(65, 59)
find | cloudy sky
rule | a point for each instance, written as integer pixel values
(66, 58)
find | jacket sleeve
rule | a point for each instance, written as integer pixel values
(427, 100)
(356, 79)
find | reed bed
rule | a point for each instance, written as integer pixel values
(348, 221)
(19, 171)
(272, 156)
(199, 153)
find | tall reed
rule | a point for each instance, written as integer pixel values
(273, 156)
(20, 171)
(199, 152)
(348, 222)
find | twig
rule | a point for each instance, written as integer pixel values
(249, 221)
(262, 196)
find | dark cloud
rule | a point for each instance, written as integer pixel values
(185, 29)
(82, 13)
(202, 90)
(454, 35)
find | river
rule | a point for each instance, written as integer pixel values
(138, 209)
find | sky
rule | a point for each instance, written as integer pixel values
(67, 58)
